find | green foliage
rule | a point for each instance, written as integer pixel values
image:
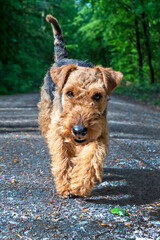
(26, 44)
(109, 31)
(140, 91)
(119, 211)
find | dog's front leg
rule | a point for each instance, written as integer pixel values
(88, 167)
(60, 162)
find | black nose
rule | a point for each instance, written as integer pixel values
(79, 130)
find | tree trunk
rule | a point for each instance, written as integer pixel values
(147, 44)
(138, 43)
(140, 58)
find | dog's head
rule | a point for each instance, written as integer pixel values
(84, 100)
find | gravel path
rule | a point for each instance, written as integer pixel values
(29, 205)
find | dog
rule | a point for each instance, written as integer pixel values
(73, 118)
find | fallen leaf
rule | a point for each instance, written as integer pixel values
(128, 224)
(104, 224)
(85, 209)
(13, 181)
(119, 211)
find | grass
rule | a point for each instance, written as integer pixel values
(145, 93)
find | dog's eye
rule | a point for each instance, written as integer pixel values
(70, 94)
(97, 97)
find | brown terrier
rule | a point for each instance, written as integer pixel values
(73, 118)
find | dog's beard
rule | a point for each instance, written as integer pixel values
(95, 129)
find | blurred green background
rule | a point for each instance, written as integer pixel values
(122, 34)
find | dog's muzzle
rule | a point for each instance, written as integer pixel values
(79, 132)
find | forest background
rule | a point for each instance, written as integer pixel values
(122, 34)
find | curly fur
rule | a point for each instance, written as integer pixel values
(76, 166)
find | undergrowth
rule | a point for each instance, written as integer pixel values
(140, 91)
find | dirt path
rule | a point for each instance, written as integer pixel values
(29, 205)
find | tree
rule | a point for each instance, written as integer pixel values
(127, 32)
(26, 43)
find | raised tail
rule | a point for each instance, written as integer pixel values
(60, 51)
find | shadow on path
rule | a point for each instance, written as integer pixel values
(149, 131)
(127, 186)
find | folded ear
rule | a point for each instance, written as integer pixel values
(110, 77)
(60, 75)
